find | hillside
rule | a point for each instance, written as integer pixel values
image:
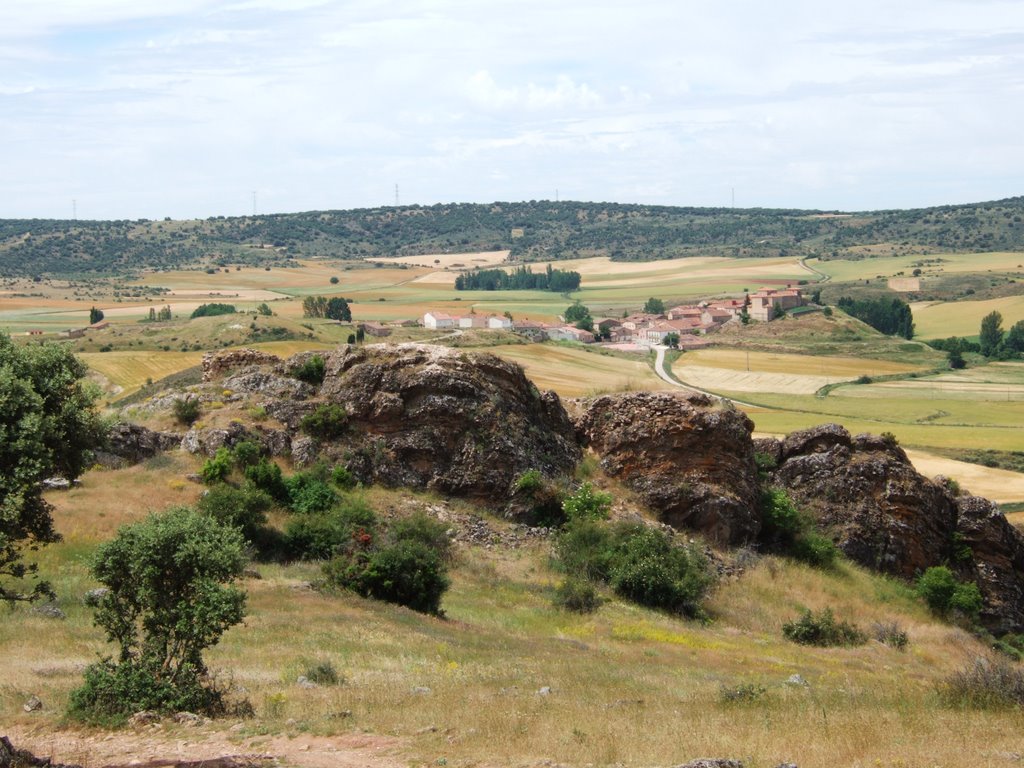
(535, 230)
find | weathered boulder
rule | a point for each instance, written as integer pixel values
(462, 423)
(261, 382)
(996, 563)
(216, 364)
(11, 757)
(691, 461)
(881, 512)
(130, 443)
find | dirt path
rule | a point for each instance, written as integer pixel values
(183, 747)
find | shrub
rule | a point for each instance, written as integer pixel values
(266, 476)
(426, 530)
(529, 482)
(790, 532)
(242, 508)
(326, 422)
(312, 371)
(322, 673)
(321, 536)
(216, 469)
(583, 550)
(945, 594)
(543, 497)
(890, 633)
(246, 453)
(987, 683)
(186, 410)
(649, 569)
(822, 629)
(746, 693)
(211, 310)
(309, 493)
(587, 504)
(408, 573)
(577, 595)
(170, 597)
(342, 478)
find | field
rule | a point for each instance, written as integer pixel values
(738, 370)
(842, 270)
(939, 320)
(505, 678)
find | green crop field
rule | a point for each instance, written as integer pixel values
(939, 320)
(842, 270)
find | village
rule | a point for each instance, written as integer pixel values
(681, 325)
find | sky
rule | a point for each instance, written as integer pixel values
(126, 109)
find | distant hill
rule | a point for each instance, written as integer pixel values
(530, 230)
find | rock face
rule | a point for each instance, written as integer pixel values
(884, 515)
(996, 562)
(880, 511)
(466, 424)
(691, 461)
(130, 444)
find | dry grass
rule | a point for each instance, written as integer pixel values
(573, 372)
(627, 685)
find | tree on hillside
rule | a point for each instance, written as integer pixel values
(95, 315)
(1013, 343)
(314, 306)
(991, 334)
(338, 309)
(47, 427)
(654, 306)
(170, 597)
(672, 340)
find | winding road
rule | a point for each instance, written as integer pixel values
(664, 375)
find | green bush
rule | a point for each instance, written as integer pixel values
(242, 508)
(543, 497)
(408, 573)
(342, 478)
(788, 531)
(426, 530)
(946, 595)
(648, 568)
(247, 453)
(170, 596)
(326, 422)
(529, 482)
(351, 526)
(309, 493)
(216, 469)
(583, 550)
(985, 684)
(577, 595)
(266, 476)
(822, 629)
(212, 310)
(587, 504)
(312, 371)
(747, 693)
(186, 410)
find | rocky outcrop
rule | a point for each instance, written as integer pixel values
(885, 515)
(216, 364)
(268, 384)
(208, 440)
(996, 562)
(130, 443)
(466, 424)
(11, 757)
(690, 460)
(881, 512)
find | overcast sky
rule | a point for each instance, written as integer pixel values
(183, 108)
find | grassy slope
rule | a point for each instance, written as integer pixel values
(628, 685)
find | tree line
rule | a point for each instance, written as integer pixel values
(521, 279)
(890, 316)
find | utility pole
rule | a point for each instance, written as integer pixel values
(74, 209)
(254, 202)
(396, 195)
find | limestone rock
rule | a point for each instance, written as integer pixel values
(11, 757)
(130, 443)
(691, 461)
(216, 364)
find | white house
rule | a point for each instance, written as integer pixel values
(438, 320)
(499, 323)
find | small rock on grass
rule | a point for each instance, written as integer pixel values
(33, 704)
